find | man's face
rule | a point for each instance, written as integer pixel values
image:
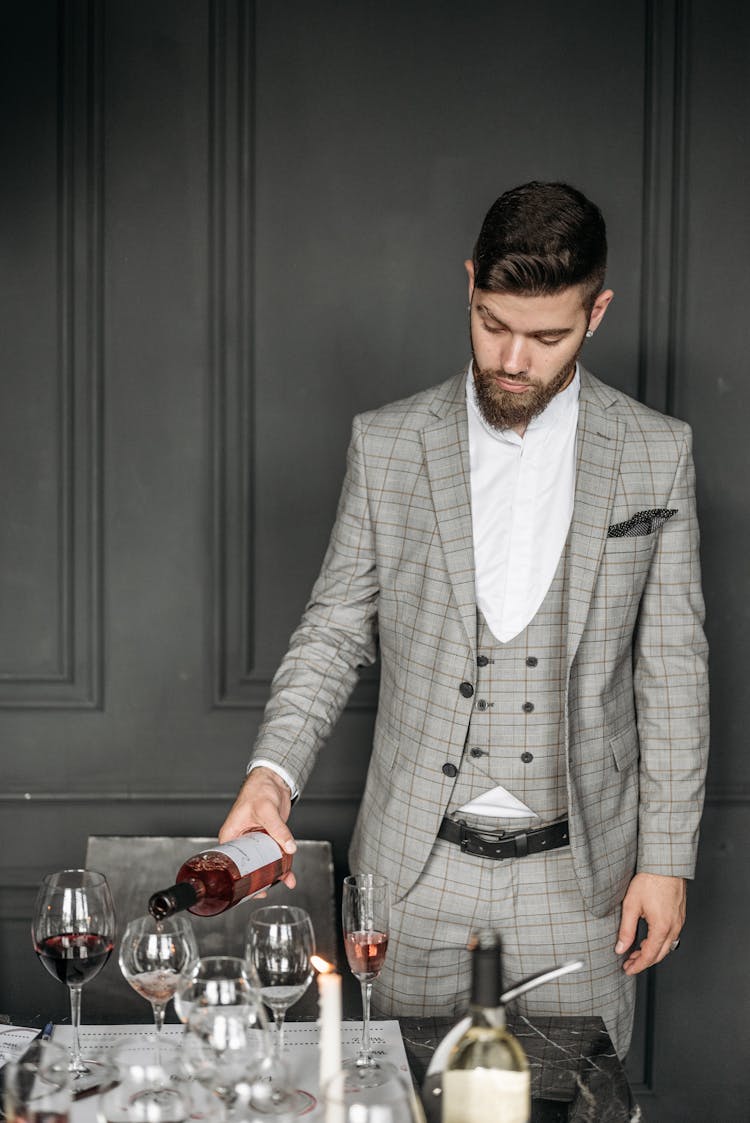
(525, 349)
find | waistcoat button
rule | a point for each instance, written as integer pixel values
(466, 689)
(482, 660)
(482, 704)
(527, 757)
(528, 707)
(476, 753)
(450, 769)
(532, 661)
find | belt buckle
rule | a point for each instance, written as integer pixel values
(469, 836)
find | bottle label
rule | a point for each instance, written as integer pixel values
(251, 851)
(486, 1095)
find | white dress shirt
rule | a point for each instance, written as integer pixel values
(522, 491)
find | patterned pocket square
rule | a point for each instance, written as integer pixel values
(643, 522)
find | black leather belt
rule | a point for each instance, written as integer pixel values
(504, 844)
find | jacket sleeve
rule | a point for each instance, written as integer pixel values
(671, 690)
(336, 636)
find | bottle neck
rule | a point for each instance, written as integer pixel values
(492, 1017)
(175, 899)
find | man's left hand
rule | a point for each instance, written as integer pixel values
(660, 900)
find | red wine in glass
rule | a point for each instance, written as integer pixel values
(73, 932)
(74, 957)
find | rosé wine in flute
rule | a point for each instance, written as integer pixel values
(365, 952)
(365, 915)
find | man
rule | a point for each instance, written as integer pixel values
(523, 541)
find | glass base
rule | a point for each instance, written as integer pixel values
(91, 1075)
(360, 1072)
(283, 1102)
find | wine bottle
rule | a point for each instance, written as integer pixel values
(216, 879)
(486, 1077)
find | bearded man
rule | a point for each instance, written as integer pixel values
(522, 540)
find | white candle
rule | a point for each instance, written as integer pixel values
(329, 1020)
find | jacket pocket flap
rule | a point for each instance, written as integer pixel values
(624, 746)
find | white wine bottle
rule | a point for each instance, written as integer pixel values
(486, 1077)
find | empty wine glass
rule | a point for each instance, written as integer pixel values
(155, 956)
(37, 1085)
(74, 932)
(226, 1039)
(365, 912)
(280, 941)
(152, 1084)
(391, 1101)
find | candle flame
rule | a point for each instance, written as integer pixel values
(321, 965)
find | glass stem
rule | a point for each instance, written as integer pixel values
(364, 1057)
(159, 1012)
(278, 1017)
(76, 1060)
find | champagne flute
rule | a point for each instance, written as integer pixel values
(280, 942)
(155, 956)
(73, 931)
(365, 914)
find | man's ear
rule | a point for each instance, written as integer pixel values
(469, 267)
(601, 304)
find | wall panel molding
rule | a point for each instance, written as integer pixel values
(237, 681)
(76, 681)
(664, 193)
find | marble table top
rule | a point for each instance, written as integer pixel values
(576, 1075)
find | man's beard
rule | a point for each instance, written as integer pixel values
(502, 409)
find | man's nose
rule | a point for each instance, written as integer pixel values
(515, 358)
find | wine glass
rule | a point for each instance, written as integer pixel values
(280, 941)
(73, 931)
(226, 1039)
(154, 956)
(152, 1084)
(365, 915)
(392, 1101)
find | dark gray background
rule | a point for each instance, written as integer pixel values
(225, 227)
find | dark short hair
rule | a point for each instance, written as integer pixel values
(540, 238)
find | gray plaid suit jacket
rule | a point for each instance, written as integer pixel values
(400, 567)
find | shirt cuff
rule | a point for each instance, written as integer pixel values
(282, 772)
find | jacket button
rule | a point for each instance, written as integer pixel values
(532, 661)
(527, 757)
(528, 707)
(450, 769)
(482, 660)
(466, 689)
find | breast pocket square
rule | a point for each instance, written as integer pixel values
(642, 522)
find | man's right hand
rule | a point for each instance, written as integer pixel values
(264, 801)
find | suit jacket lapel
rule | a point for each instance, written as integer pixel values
(599, 445)
(446, 448)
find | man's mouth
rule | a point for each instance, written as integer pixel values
(512, 385)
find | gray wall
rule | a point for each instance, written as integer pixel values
(225, 227)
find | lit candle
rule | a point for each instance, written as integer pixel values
(329, 1019)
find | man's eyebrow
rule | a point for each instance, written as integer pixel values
(485, 311)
